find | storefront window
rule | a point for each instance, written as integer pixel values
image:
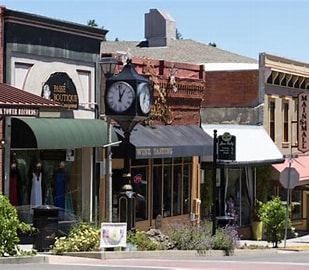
(186, 197)
(167, 189)
(296, 204)
(140, 187)
(44, 177)
(177, 189)
(238, 190)
(170, 187)
(157, 196)
(295, 200)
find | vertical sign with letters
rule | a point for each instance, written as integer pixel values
(302, 123)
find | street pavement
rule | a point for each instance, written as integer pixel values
(247, 248)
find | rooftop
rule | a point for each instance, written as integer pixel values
(11, 96)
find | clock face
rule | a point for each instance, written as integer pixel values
(144, 97)
(120, 96)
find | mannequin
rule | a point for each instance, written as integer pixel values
(59, 188)
(36, 188)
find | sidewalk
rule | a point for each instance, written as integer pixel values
(246, 247)
(301, 242)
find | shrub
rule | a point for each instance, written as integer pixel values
(225, 239)
(82, 237)
(142, 242)
(189, 237)
(273, 216)
(10, 226)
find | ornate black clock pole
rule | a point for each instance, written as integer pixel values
(128, 100)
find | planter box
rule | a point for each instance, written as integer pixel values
(257, 230)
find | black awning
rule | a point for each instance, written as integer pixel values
(161, 141)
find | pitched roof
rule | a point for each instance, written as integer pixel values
(182, 50)
(11, 96)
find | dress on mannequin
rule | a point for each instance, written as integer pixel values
(36, 188)
(59, 199)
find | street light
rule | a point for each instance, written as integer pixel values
(108, 65)
(128, 101)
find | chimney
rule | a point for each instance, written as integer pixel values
(160, 28)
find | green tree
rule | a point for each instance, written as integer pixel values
(273, 216)
(178, 34)
(213, 44)
(92, 23)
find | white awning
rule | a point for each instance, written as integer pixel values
(253, 144)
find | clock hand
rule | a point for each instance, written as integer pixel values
(120, 94)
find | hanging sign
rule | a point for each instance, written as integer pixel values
(227, 147)
(303, 117)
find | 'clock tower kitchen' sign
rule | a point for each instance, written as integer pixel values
(303, 124)
(60, 88)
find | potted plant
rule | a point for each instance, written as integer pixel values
(263, 191)
(256, 222)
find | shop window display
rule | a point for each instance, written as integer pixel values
(36, 185)
(170, 187)
(44, 180)
(238, 187)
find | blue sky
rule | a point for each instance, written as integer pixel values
(247, 28)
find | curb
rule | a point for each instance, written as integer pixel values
(47, 258)
(39, 259)
(105, 255)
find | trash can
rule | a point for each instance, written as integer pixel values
(45, 220)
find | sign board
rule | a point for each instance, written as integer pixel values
(289, 178)
(302, 122)
(70, 155)
(113, 235)
(60, 88)
(227, 147)
(19, 111)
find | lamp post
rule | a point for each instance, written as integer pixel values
(108, 65)
(214, 183)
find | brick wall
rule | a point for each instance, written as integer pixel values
(182, 86)
(231, 88)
